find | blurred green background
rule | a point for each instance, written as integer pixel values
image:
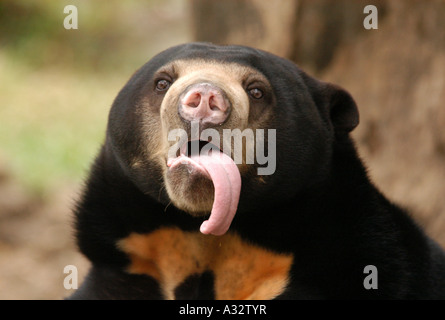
(56, 85)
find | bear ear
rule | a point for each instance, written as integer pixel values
(343, 110)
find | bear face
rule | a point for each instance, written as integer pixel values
(241, 100)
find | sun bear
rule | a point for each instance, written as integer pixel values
(229, 173)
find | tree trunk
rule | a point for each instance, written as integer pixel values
(395, 73)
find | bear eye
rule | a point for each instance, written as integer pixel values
(256, 93)
(162, 85)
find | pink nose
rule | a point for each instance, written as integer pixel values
(206, 103)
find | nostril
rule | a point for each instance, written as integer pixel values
(204, 102)
(193, 100)
(214, 104)
(192, 104)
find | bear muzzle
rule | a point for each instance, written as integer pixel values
(206, 103)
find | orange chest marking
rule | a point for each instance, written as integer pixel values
(241, 270)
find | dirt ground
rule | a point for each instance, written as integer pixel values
(36, 243)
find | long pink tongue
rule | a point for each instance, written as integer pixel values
(227, 184)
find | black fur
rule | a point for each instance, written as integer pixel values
(319, 205)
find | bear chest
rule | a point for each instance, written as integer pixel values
(225, 267)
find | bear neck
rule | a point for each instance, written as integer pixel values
(112, 207)
(347, 185)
